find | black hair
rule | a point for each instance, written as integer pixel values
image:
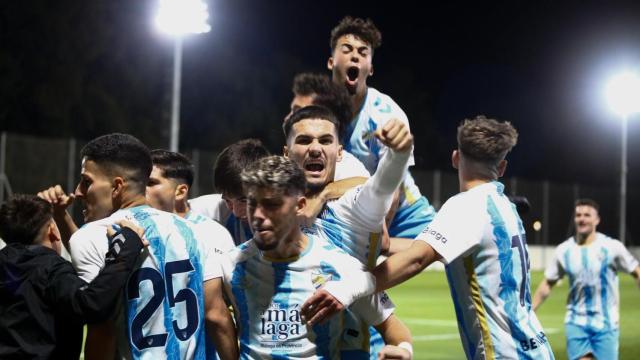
(309, 112)
(587, 202)
(22, 218)
(174, 165)
(232, 160)
(325, 93)
(116, 152)
(363, 29)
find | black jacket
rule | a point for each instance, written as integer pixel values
(44, 304)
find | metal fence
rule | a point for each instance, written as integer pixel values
(29, 164)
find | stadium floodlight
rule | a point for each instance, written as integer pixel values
(622, 93)
(178, 18)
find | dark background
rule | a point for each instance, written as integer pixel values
(84, 68)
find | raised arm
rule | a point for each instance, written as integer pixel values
(403, 265)
(61, 202)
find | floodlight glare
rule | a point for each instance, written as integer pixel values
(180, 17)
(623, 93)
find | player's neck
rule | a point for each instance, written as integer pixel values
(290, 248)
(181, 208)
(469, 183)
(132, 201)
(585, 239)
(357, 100)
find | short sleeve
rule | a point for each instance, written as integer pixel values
(88, 248)
(217, 235)
(374, 309)
(456, 228)
(211, 267)
(555, 270)
(211, 206)
(624, 260)
(349, 167)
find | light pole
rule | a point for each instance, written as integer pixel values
(623, 96)
(179, 18)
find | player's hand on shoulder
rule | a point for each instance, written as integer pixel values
(57, 197)
(396, 135)
(320, 307)
(394, 352)
(124, 223)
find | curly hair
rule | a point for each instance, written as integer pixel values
(275, 172)
(361, 28)
(486, 140)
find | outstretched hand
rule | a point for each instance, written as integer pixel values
(320, 307)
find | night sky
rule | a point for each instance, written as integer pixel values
(84, 68)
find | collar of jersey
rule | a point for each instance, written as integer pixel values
(293, 258)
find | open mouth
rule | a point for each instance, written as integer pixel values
(314, 166)
(352, 74)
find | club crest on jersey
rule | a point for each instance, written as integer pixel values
(319, 278)
(280, 322)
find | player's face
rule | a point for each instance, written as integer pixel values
(298, 102)
(586, 219)
(351, 64)
(272, 216)
(161, 191)
(95, 190)
(237, 205)
(313, 145)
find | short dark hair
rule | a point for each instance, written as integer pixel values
(587, 202)
(325, 93)
(122, 151)
(174, 165)
(361, 28)
(309, 112)
(486, 140)
(275, 172)
(232, 160)
(22, 217)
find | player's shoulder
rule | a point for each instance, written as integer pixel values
(609, 242)
(382, 107)
(209, 199)
(243, 252)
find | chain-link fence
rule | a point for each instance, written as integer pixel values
(33, 163)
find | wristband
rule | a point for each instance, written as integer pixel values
(407, 346)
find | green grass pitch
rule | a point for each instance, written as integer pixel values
(425, 305)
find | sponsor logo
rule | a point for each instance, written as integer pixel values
(280, 322)
(436, 235)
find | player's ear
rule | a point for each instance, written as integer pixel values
(182, 190)
(52, 232)
(285, 151)
(302, 203)
(339, 157)
(455, 159)
(371, 70)
(117, 186)
(330, 63)
(502, 166)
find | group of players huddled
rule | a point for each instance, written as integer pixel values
(291, 258)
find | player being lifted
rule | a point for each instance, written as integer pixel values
(353, 42)
(479, 236)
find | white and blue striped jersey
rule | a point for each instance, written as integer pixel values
(164, 297)
(214, 207)
(267, 295)
(480, 237)
(593, 279)
(354, 221)
(376, 110)
(223, 242)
